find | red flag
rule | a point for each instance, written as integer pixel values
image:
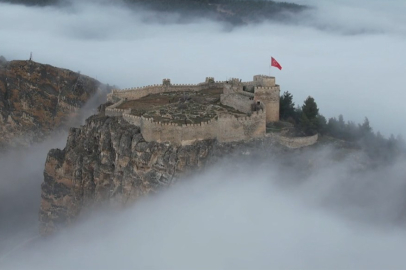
(275, 63)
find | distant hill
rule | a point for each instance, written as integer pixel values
(36, 99)
(235, 12)
(32, 2)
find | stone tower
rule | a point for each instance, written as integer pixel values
(267, 93)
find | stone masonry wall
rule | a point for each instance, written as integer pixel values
(139, 92)
(269, 97)
(237, 101)
(227, 128)
(295, 142)
(235, 97)
(231, 129)
(112, 111)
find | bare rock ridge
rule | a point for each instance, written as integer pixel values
(108, 160)
(37, 98)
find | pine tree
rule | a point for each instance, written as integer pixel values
(309, 121)
(287, 107)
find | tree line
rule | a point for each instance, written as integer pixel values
(307, 120)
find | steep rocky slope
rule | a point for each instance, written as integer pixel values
(36, 98)
(107, 160)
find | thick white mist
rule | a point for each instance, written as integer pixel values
(20, 182)
(229, 218)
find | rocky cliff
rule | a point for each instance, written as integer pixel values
(37, 98)
(108, 160)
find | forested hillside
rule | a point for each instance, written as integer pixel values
(231, 11)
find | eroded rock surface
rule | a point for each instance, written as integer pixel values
(37, 98)
(108, 160)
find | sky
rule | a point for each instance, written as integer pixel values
(349, 55)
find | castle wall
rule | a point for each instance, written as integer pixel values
(298, 142)
(132, 119)
(269, 97)
(116, 112)
(170, 132)
(237, 101)
(232, 129)
(264, 81)
(249, 86)
(226, 129)
(113, 111)
(140, 92)
(234, 96)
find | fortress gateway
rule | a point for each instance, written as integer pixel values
(224, 110)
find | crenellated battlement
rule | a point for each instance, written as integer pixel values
(240, 128)
(267, 88)
(226, 127)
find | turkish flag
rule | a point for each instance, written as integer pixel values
(275, 63)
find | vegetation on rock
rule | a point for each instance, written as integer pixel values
(35, 99)
(308, 121)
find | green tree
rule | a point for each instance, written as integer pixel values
(310, 109)
(365, 128)
(309, 122)
(322, 124)
(286, 106)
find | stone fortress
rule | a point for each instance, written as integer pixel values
(228, 111)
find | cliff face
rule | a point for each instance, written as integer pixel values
(36, 98)
(107, 160)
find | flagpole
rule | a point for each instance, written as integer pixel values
(270, 69)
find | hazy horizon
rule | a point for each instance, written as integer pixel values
(349, 55)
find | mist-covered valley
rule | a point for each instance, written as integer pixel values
(314, 208)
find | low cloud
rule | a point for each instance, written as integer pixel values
(21, 178)
(241, 215)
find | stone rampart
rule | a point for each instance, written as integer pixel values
(231, 128)
(140, 92)
(264, 80)
(133, 119)
(297, 142)
(116, 112)
(237, 101)
(227, 128)
(113, 111)
(269, 97)
(178, 134)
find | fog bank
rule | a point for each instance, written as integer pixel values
(21, 177)
(237, 217)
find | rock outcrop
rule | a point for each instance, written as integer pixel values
(37, 98)
(108, 160)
